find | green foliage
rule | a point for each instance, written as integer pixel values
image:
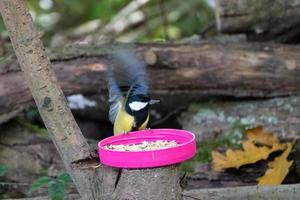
(232, 138)
(56, 186)
(2, 26)
(187, 166)
(56, 190)
(203, 155)
(32, 114)
(75, 12)
(30, 126)
(235, 135)
(206, 147)
(3, 170)
(106, 10)
(42, 181)
(65, 178)
(170, 18)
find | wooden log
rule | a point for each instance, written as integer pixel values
(248, 192)
(205, 177)
(279, 115)
(189, 71)
(263, 20)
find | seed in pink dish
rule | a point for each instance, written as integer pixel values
(147, 148)
(144, 146)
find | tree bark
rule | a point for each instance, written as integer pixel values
(149, 184)
(278, 115)
(176, 70)
(264, 20)
(51, 102)
(239, 193)
(248, 192)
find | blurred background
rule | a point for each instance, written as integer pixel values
(63, 22)
(121, 20)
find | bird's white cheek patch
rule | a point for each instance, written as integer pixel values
(137, 105)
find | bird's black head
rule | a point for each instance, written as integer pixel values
(137, 103)
(138, 107)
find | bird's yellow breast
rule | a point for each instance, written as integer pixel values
(125, 122)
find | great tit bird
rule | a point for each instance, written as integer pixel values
(128, 92)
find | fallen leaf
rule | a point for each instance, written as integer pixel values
(259, 136)
(278, 169)
(250, 154)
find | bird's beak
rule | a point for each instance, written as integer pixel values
(153, 101)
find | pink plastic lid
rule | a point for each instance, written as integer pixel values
(185, 149)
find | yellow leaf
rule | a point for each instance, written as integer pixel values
(259, 136)
(278, 169)
(237, 158)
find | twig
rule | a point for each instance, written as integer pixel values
(169, 115)
(48, 96)
(109, 30)
(164, 19)
(13, 184)
(184, 195)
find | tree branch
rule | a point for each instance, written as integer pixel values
(247, 192)
(49, 98)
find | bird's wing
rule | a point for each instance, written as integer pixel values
(115, 96)
(130, 72)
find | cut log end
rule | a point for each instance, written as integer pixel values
(150, 57)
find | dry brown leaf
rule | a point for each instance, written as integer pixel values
(259, 136)
(237, 158)
(278, 169)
